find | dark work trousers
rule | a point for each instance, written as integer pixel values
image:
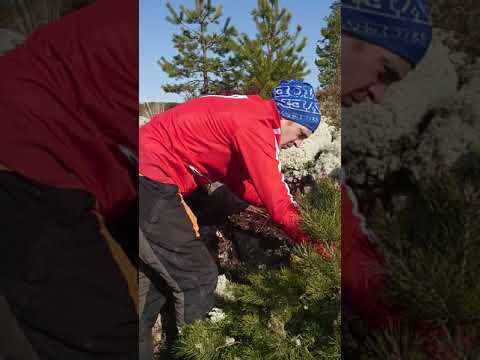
(13, 342)
(67, 289)
(178, 275)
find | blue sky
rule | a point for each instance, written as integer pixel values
(156, 36)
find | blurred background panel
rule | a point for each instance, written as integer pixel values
(410, 130)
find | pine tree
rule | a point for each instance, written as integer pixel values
(432, 249)
(328, 62)
(201, 53)
(329, 49)
(273, 55)
(291, 313)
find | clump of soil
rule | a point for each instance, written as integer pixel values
(246, 241)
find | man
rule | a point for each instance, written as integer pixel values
(68, 108)
(381, 42)
(232, 139)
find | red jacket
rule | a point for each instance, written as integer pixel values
(69, 98)
(363, 285)
(231, 139)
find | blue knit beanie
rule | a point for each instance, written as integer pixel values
(296, 101)
(401, 26)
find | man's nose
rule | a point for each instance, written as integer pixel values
(377, 92)
(298, 143)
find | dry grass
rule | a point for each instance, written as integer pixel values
(7, 16)
(25, 16)
(30, 14)
(150, 109)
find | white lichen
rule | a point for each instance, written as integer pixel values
(229, 341)
(216, 315)
(222, 290)
(142, 120)
(319, 155)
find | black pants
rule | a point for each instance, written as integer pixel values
(178, 274)
(62, 276)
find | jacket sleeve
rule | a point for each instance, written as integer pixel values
(362, 281)
(258, 150)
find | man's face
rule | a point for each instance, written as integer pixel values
(367, 70)
(293, 134)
